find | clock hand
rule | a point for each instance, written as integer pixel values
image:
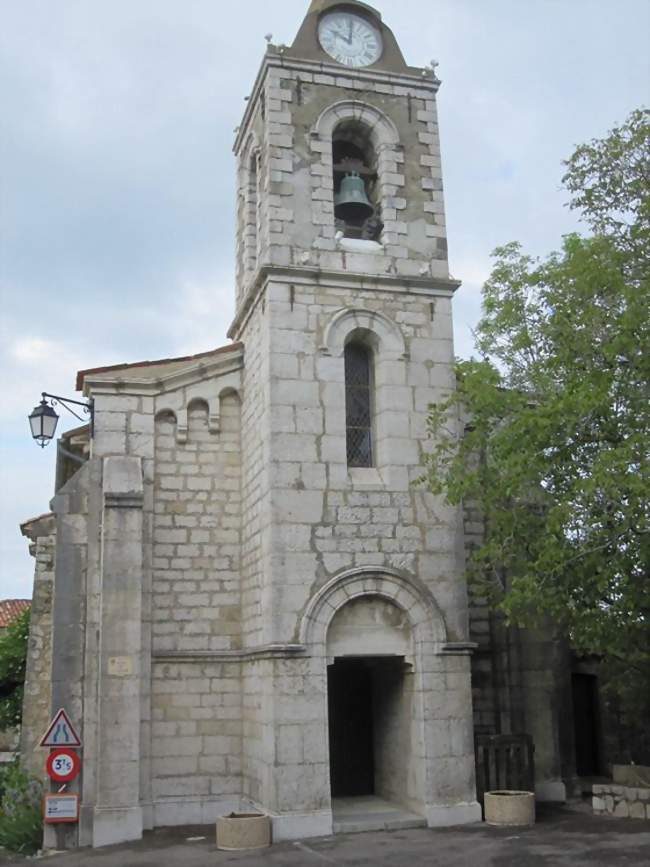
(341, 34)
(349, 41)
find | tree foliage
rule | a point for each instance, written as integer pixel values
(555, 452)
(21, 820)
(13, 657)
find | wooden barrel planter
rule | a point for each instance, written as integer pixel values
(243, 831)
(509, 807)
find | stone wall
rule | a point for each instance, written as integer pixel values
(624, 801)
(38, 676)
(325, 517)
(196, 602)
(196, 537)
(520, 681)
(197, 740)
(255, 473)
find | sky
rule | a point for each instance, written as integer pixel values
(117, 175)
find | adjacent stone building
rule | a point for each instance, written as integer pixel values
(253, 601)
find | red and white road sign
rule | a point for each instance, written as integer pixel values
(63, 765)
(60, 733)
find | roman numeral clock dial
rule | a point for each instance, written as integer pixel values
(350, 39)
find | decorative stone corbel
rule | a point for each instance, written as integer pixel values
(181, 426)
(214, 415)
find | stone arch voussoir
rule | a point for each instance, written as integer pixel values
(349, 319)
(404, 591)
(382, 129)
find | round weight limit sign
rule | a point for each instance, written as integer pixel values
(63, 765)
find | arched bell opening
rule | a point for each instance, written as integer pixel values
(357, 211)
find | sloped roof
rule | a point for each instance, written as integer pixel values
(82, 374)
(10, 609)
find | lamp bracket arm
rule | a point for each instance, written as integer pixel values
(88, 406)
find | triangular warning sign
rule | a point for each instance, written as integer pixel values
(60, 732)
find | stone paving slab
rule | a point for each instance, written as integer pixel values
(561, 838)
(371, 813)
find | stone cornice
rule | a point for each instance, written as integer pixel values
(123, 501)
(458, 648)
(42, 525)
(205, 369)
(304, 275)
(278, 651)
(264, 651)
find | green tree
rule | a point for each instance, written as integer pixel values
(555, 453)
(13, 657)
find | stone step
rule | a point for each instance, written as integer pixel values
(378, 822)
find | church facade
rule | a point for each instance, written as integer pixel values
(246, 598)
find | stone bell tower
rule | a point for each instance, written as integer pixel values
(351, 574)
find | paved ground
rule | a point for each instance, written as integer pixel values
(561, 838)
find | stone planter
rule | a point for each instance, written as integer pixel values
(243, 831)
(509, 808)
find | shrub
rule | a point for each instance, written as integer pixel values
(21, 823)
(13, 656)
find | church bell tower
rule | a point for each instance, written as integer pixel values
(339, 145)
(351, 573)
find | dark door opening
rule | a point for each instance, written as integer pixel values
(349, 698)
(586, 722)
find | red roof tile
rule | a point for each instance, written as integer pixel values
(10, 609)
(81, 375)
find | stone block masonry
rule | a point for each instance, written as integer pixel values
(196, 738)
(37, 695)
(196, 533)
(626, 802)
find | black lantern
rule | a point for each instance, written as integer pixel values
(43, 420)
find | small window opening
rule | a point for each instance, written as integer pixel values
(356, 190)
(358, 405)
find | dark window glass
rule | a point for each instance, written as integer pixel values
(358, 415)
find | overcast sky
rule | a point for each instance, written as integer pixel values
(117, 218)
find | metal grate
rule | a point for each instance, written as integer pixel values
(358, 413)
(504, 762)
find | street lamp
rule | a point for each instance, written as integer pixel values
(43, 418)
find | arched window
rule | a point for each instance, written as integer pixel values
(356, 202)
(358, 405)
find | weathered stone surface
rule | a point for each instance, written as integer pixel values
(637, 810)
(622, 809)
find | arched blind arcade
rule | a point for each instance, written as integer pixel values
(358, 405)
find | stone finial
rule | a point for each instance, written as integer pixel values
(430, 68)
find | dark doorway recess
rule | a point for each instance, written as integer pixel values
(349, 696)
(586, 721)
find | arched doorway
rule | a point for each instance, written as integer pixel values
(383, 617)
(371, 719)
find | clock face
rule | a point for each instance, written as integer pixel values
(350, 39)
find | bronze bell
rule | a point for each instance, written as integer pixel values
(351, 202)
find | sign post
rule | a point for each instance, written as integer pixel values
(63, 765)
